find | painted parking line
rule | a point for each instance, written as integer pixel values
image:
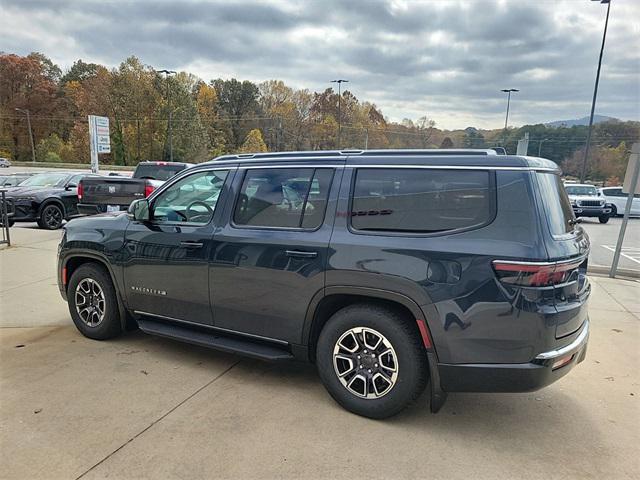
(632, 253)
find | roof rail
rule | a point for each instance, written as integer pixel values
(347, 152)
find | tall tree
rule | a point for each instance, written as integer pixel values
(239, 103)
(254, 142)
(26, 83)
(79, 72)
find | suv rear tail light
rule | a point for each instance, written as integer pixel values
(80, 190)
(535, 274)
(148, 189)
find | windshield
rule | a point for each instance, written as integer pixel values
(45, 180)
(588, 190)
(157, 171)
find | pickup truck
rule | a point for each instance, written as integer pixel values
(115, 193)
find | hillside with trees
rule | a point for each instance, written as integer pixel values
(216, 116)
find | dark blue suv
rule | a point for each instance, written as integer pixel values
(391, 270)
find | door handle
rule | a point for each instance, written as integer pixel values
(301, 254)
(188, 244)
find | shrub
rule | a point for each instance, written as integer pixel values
(52, 157)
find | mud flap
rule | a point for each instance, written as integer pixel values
(438, 396)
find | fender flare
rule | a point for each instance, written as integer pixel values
(102, 260)
(437, 395)
(50, 200)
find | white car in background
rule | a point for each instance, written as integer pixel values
(4, 162)
(618, 200)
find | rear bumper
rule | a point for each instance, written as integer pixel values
(92, 209)
(519, 377)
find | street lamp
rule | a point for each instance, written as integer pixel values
(583, 171)
(508, 92)
(540, 144)
(33, 148)
(169, 138)
(339, 82)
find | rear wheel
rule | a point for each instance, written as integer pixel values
(603, 218)
(51, 217)
(371, 361)
(93, 304)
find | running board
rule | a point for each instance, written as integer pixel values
(214, 341)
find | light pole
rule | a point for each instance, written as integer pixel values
(169, 138)
(508, 92)
(339, 82)
(33, 148)
(583, 171)
(540, 144)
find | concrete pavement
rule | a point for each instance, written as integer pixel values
(145, 407)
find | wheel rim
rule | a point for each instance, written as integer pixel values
(365, 362)
(52, 216)
(90, 303)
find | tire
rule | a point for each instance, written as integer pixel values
(614, 211)
(603, 218)
(99, 323)
(51, 217)
(390, 396)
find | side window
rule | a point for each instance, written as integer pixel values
(192, 199)
(421, 200)
(283, 198)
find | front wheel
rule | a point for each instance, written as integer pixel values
(51, 217)
(614, 211)
(371, 361)
(603, 218)
(93, 304)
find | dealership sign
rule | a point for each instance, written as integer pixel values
(98, 139)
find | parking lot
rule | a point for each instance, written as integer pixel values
(603, 242)
(141, 406)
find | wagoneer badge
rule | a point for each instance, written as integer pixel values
(149, 291)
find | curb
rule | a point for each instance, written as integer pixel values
(621, 272)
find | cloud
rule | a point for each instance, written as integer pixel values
(446, 59)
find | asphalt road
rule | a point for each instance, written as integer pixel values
(604, 238)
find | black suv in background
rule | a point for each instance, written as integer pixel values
(48, 198)
(391, 270)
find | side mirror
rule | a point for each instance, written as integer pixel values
(139, 210)
(70, 186)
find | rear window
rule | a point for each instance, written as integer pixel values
(557, 206)
(157, 171)
(421, 200)
(283, 198)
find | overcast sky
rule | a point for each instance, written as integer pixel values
(447, 59)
